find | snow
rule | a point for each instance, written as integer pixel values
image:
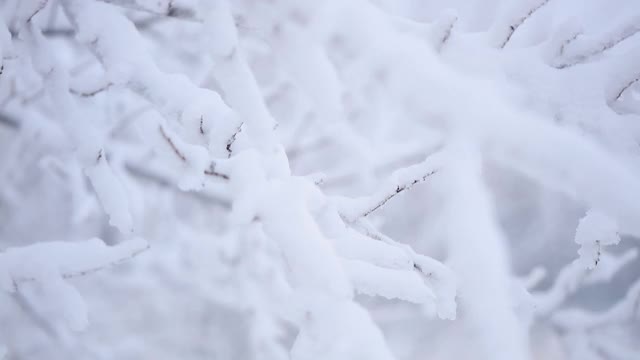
(334, 330)
(319, 180)
(389, 283)
(595, 231)
(113, 198)
(50, 263)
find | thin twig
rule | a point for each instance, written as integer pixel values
(627, 86)
(233, 140)
(398, 190)
(513, 27)
(145, 174)
(212, 172)
(91, 93)
(606, 46)
(172, 144)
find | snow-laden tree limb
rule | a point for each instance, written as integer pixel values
(204, 119)
(170, 8)
(584, 48)
(440, 278)
(90, 152)
(47, 264)
(400, 181)
(514, 18)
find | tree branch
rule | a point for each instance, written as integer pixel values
(515, 25)
(398, 190)
(597, 46)
(627, 86)
(144, 174)
(402, 180)
(165, 8)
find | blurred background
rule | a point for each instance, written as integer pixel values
(193, 294)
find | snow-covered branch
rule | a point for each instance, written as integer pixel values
(515, 18)
(169, 8)
(582, 48)
(401, 180)
(49, 263)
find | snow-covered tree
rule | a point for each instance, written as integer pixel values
(282, 179)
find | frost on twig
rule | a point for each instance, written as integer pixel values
(144, 173)
(188, 162)
(400, 181)
(505, 30)
(203, 117)
(582, 49)
(48, 264)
